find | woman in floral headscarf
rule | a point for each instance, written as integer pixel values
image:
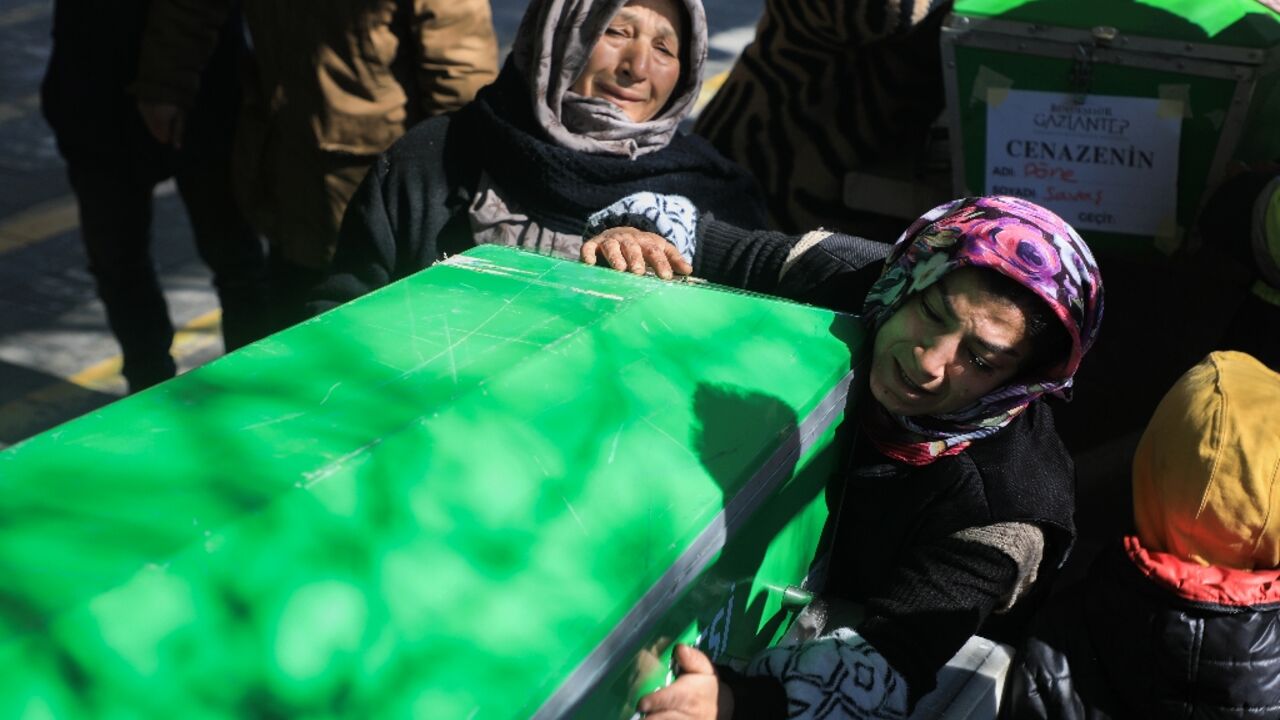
(959, 494)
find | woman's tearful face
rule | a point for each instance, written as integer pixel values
(636, 63)
(947, 346)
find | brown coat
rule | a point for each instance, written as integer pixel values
(332, 84)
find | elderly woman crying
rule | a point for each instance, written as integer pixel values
(585, 111)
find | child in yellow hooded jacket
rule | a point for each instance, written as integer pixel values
(1181, 618)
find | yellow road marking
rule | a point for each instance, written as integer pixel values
(710, 87)
(50, 219)
(38, 223)
(196, 335)
(18, 108)
(49, 405)
(23, 13)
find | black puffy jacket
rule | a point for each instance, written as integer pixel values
(1120, 644)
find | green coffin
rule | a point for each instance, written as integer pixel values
(1203, 74)
(500, 488)
(1242, 23)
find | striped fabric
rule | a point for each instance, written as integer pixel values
(826, 87)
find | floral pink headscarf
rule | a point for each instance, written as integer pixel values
(1021, 240)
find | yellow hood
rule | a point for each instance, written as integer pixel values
(1206, 476)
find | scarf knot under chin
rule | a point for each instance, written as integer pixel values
(558, 187)
(917, 443)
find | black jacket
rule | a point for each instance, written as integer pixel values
(1117, 645)
(898, 549)
(897, 553)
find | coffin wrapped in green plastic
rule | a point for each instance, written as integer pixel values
(500, 488)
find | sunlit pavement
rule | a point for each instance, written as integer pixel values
(58, 359)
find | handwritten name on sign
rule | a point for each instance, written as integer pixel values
(1108, 163)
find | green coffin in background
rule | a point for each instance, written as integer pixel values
(1120, 115)
(500, 488)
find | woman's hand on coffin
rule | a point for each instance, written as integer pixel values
(697, 693)
(632, 250)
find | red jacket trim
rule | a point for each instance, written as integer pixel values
(1200, 583)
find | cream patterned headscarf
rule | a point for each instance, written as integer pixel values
(551, 49)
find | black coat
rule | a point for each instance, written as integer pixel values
(896, 549)
(1116, 645)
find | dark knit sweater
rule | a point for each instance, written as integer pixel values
(835, 273)
(909, 545)
(412, 207)
(932, 551)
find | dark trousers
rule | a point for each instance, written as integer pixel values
(291, 287)
(115, 223)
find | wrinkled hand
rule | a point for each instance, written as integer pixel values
(633, 250)
(164, 121)
(696, 695)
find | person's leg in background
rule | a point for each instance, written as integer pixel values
(115, 224)
(308, 218)
(202, 169)
(291, 286)
(228, 245)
